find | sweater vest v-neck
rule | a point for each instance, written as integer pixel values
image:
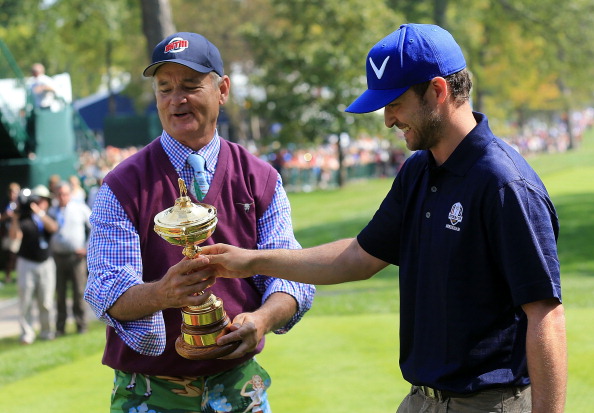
(241, 191)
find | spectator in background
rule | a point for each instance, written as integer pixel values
(10, 246)
(43, 88)
(78, 193)
(35, 267)
(69, 249)
(43, 92)
(53, 182)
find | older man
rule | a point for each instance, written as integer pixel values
(137, 283)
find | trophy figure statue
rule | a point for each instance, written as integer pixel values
(188, 224)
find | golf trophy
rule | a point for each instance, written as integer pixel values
(188, 224)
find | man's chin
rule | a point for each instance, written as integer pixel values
(410, 144)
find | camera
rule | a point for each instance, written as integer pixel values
(27, 196)
(24, 201)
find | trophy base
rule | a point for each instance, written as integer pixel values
(203, 353)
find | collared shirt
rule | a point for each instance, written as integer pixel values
(46, 98)
(115, 262)
(475, 239)
(73, 227)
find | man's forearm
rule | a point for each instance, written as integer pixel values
(333, 263)
(137, 302)
(278, 310)
(547, 358)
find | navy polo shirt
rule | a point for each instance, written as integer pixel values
(475, 238)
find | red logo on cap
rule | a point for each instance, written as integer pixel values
(177, 45)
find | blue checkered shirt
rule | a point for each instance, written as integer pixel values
(115, 262)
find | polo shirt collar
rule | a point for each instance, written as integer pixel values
(471, 148)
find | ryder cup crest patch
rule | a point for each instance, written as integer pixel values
(176, 45)
(455, 216)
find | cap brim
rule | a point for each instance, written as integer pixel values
(150, 70)
(374, 99)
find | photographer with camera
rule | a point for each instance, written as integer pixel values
(35, 267)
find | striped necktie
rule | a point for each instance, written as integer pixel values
(200, 185)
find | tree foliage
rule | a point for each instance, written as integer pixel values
(85, 39)
(528, 57)
(309, 56)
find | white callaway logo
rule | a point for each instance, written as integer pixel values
(379, 73)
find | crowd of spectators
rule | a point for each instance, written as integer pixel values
(44, 233)
(538, 136)
(301, 168)
(316, 167)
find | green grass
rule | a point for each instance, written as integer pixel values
(18, 362)
(343, 356)
(8, 290)
(336, 363)
(83, 385)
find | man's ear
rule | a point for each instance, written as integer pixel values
(224, 88)
(438, 90)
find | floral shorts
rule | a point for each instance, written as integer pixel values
(241, 389)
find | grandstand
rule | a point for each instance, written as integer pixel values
(36, 143)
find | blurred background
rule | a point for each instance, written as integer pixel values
(294, 67)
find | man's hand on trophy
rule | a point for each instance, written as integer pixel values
(184, 284)
(243, 328)
(228, 261)
(249, 328)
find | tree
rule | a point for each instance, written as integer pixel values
(88, 40)
(567, 36)
(157, 22)
(310, 60)
(526, 58)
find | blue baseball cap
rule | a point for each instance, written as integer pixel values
(415, 53)
(188, 49)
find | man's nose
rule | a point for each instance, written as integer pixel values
(389, 117)
(179, 97)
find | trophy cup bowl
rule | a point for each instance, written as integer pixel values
(188, 224)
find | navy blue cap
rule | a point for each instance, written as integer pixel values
(188, 49)
(415, 53)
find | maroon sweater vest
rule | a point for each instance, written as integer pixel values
(241, 190)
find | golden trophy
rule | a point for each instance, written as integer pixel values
(188, 224)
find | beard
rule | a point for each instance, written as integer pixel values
(430, 123)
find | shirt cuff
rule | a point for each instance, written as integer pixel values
(146, 335)
(302, 293)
